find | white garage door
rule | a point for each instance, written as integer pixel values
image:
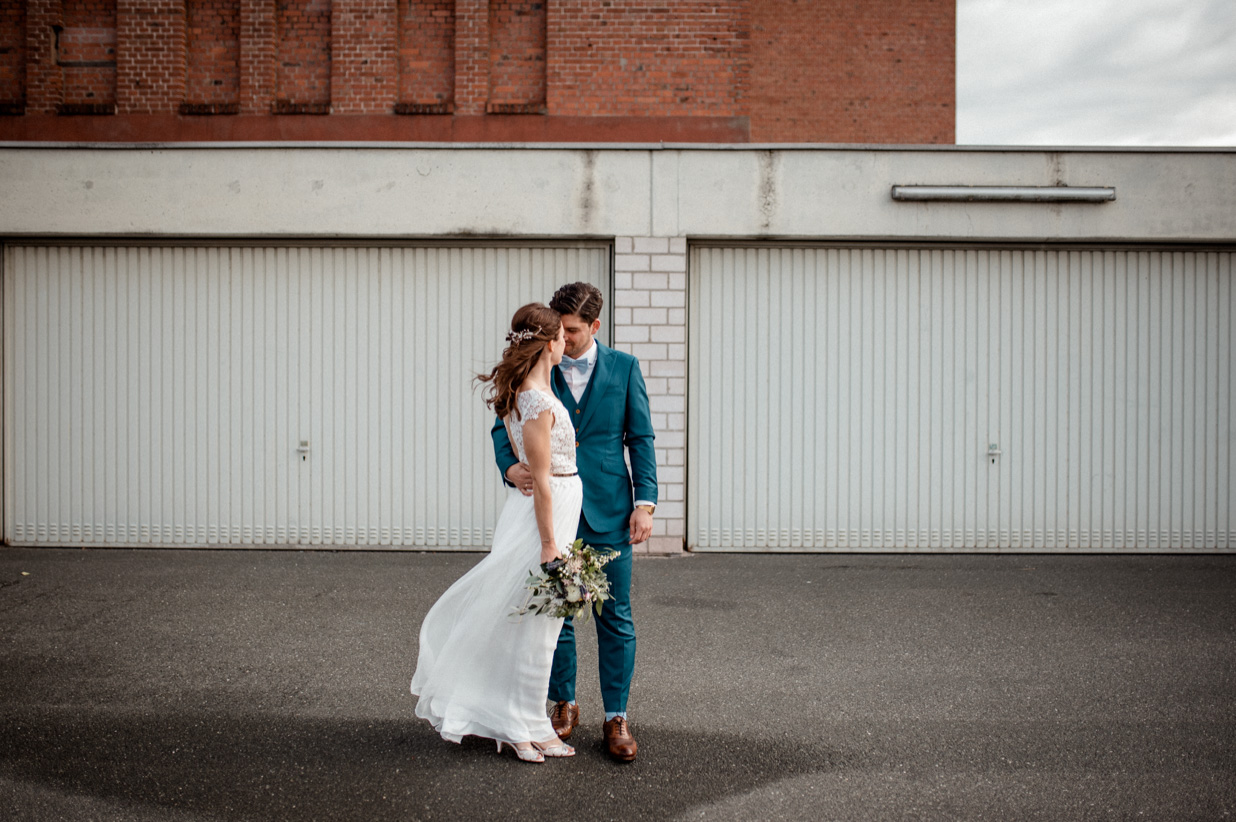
(260, 395)
(847, 398)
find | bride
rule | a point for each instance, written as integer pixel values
(479, 671)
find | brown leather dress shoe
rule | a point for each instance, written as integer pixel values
(564, 717)
(619, 741)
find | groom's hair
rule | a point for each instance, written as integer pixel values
(584, 300)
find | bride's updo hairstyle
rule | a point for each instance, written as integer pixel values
(532, 327)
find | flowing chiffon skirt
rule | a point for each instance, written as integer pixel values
(479, 670)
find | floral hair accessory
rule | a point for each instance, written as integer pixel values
(517, 337)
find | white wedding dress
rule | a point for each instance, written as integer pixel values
(479, 670)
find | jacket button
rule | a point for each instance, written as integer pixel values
(577, 445)
(579, 410)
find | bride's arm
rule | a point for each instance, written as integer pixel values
(536, 445)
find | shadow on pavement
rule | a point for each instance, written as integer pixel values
(276, 768)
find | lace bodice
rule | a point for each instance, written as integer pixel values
(532, 404)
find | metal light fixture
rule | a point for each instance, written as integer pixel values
(1005, 194)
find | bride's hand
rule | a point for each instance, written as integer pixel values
(549, 553)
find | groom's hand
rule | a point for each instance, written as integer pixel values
(641, 526)
(519, 476)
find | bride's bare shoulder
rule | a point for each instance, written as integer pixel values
(528, 385)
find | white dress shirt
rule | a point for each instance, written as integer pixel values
(576, 380)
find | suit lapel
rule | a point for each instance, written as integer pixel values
(562, 390)
(600, 378)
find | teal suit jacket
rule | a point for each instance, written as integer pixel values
(612, 414)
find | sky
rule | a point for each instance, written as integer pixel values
(1096, 72)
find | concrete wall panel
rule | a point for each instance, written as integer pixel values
(324, 192)
(847, 194)
(553, 192)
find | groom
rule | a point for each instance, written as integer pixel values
(604, 393)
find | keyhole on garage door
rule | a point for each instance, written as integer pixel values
(303, 450)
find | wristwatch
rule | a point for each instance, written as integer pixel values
(651, 509)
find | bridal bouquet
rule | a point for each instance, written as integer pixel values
(570, 586)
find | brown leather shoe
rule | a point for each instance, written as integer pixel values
(564, 717)
(619, 741)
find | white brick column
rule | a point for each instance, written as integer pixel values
(650, 321)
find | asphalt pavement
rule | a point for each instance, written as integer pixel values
(252, 685)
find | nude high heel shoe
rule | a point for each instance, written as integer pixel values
(525, 754)
(557, 748)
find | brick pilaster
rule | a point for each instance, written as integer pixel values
(650, 321)
(257, 56)
(471, 56)
(44, 81)
(150, 56)
(364, 56)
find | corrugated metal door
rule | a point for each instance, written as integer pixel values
(846, 399)
(260, 396)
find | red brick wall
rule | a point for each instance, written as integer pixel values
(427, 55)
(150, 68)
(471, 56)
(879, 71)
(86, 53)
(258, 52)
(516, 56)
(212, 43)
(43, 77)
(631, 57)
(364, 56)
(12, 58)
(303, 69)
